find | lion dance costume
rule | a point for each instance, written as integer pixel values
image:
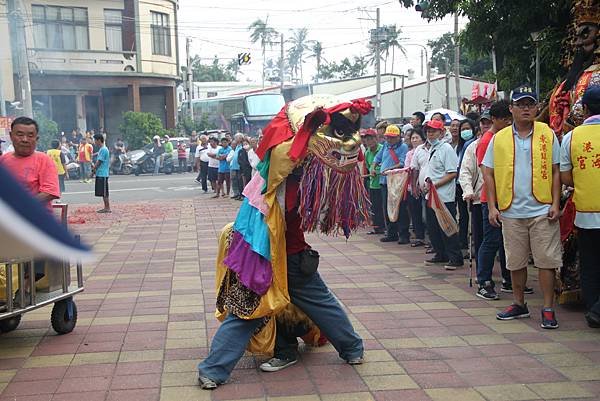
(581, 57)
(307, 180)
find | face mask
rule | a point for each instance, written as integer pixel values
(466, 134)
(433, 142)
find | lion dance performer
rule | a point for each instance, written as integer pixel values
(582, 60)
(268, 289)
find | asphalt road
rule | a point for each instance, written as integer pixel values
(142, 188)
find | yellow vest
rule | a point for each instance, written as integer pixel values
(541, 163)
(585, 158)
(55, 156)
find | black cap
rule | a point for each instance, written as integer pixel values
(522, 92)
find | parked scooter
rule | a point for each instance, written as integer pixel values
(122, 165)
(145, 164)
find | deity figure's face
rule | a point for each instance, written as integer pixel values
(587, 38)
(338, 150)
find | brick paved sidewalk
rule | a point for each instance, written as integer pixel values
(146, 319)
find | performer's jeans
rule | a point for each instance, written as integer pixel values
(415, 207)
(491, 245)
(445, 247)
(377, 208)
(589, 262)
(311, 295)
(399, 228)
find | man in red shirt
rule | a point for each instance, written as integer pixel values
(34, 170)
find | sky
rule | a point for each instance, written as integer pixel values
(221, 29)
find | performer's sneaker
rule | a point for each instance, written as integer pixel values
(355, 361)
(549, 319)
(513, 311)
(206, 383)
(276, 364)
(487, 291)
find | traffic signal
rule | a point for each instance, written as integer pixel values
(423, 8)
(243, 58)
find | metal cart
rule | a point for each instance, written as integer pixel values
(56, 289)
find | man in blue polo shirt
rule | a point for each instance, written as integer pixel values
(391, 156)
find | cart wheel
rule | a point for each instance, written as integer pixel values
(64, 316)
(9, 324)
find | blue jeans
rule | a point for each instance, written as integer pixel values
(491, 245)
(311, 295)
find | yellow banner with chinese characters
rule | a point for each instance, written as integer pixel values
(585, 158)
(541, 164)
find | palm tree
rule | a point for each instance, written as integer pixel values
(317, 53)
(392, 43)
(299, 44)
(261, 32)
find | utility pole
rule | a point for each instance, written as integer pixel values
(456, 63)
(377, 69)
(2, 100)
(402, 98)
(190, 77)
(447, 80)
(421, 62)
(281, 65)
(20, 59)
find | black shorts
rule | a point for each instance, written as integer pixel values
(102, 187)
(213, 173)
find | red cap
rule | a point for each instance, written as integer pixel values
(368, 132)
(435, 124)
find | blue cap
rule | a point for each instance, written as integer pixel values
(522, 92)
(591, 95)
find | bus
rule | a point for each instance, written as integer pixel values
(244, 113)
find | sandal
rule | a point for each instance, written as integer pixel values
(417, 243)
(429, 251)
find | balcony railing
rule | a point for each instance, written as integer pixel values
(41, 60)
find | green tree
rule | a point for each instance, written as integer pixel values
(187, 125)
(261, 32)
(48, 130)
(442, 56)
(506, 27)
(392, 43)
(300, 44)
(214, 72)
(317, 53)
(138, 128)
(346, 68)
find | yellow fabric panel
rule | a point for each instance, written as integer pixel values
(541, 155)
(504, 164)
(585, 158)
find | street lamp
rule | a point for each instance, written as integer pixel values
(536, 37)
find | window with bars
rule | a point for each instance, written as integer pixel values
(60, 27)
(161, 34)
(113, 26)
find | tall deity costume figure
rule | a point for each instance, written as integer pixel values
(581, 57)
(268, 288)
